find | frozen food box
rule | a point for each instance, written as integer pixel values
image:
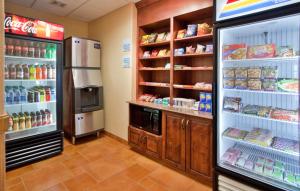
(234, 51)
(202, 107)
(208, 97)
(202, 97)
(208, 107)
(261, 51)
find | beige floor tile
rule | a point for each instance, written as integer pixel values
(135, 172)
(152, 185)
(80, 183)
(17, 187)
(19, 172)
(57, 187)
(75, 160)
(13, 181)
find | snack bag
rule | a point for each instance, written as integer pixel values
(161, 37)
(152, 38)
(191, 30)
(203, 29)
(181, 34)
(234, 52)
(144, 39)
(261, 51)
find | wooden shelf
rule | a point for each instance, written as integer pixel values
(155, 58)
(194, 69)
(154, 69)
(155, 44)
(191, 87)
(155, 84)
(195, 38)
(195, 55)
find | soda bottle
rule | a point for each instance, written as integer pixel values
(38, 72)
(38, 119)
(43, 50)
(21, 121)
(27, 120)
(25, 49)
(12, 72)
(48, 51)
(10, 47)
(53, 50)
(37, 50)
(15, 122)
(26, 72)
(53, 71)
(32, 72)
(6, 72)
(10, 123)
(31, 49)
(44, 72)
(33, 119)
(18, 48)
(20, 73)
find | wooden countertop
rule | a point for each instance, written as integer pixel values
(174, 109)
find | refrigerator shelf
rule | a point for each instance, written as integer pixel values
(262, 92)
(267, 149)
(263, 60)
(28, 104)
(45, 80)
(11, 135)
(18, 58)
(257, 117)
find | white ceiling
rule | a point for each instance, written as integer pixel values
(85, 10)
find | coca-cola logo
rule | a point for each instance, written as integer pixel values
(27, 27)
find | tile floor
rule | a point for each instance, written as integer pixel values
(103, 164)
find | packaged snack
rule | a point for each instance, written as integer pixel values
(208, 97)
(200, 48)
(269, 72)
(231, 156)
(284, 144)
(291, 85)
(181, 34)
(254, 84)
(285, 51)
(191, 30)
(161, 37)
(152, 38)
(154, 53)
(146, 54)
(202, 107)
(261, 160)
(254, 72)
(144, 39)
(262, 137)
(232, 104)
(162, 52)
(241, 73)
(241, 84)
(258, 168)
(241, 162)
(269, 85)
(279, 165)
(264, 111)
(278, 174)
(228, 73)
(244, 154)
(208, 107)
(269, 163)
(249, 165)
(209, 48)
(179, 51)
(268, 171)
(290, 178)
(203, 29)
(168, 36)
(235, 133)
(202, 97)
(261, 51)
(234, 52)
(229, 83)
(285, 115)
(250, 109)
(190, 50)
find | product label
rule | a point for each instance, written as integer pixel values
(14, 24)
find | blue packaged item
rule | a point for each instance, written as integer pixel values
(17, 95)
(53, 94)
(179, 51)
(208, 97)
(202, 97)
(208, 107)
(23, 97)
(202, 107)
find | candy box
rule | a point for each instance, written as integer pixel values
(208, 107)
(261, 51)
(208, 97)
(202, 107)
(202, 97)
(234, 52)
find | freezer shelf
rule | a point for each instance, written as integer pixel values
(290, 165)
(21, 58)
(261, 92)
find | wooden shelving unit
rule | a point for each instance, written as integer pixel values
(154, 78)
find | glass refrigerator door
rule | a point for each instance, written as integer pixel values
(258, 101)
(30, 87)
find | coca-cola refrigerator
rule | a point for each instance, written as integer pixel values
(33, 89)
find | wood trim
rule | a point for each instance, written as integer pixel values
(121, 140)
(3, 126)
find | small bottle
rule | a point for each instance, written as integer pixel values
(44, 72)
(10, 123)
(20, 73)
(53, 72)
(44, 117)
(31, 49)
(25, 49)
(18, 48)
(32, 72)
(15, 122)
(38, 119)
(10, 47)
(43, 51)
(12, 72)
(21, 121)
(38, 72)
(33, 119)
(17, 95)
(37, 51)
(27, 120)
(6, 72)
(49, 72)
(26, 72)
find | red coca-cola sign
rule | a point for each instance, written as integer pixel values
(15, 24)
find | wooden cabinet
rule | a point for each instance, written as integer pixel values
(145, 142)
(198, 146)
(174, 140)
(187, 144)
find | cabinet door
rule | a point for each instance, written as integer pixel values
(174, 140)
(152, 145)
(135, 136)
(199, 146)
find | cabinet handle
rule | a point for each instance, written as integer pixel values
(187, 123)
(182, 124)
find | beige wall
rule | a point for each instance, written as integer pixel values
(111, 30)
(72, 27)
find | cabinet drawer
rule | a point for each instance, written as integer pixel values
(153, 145)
